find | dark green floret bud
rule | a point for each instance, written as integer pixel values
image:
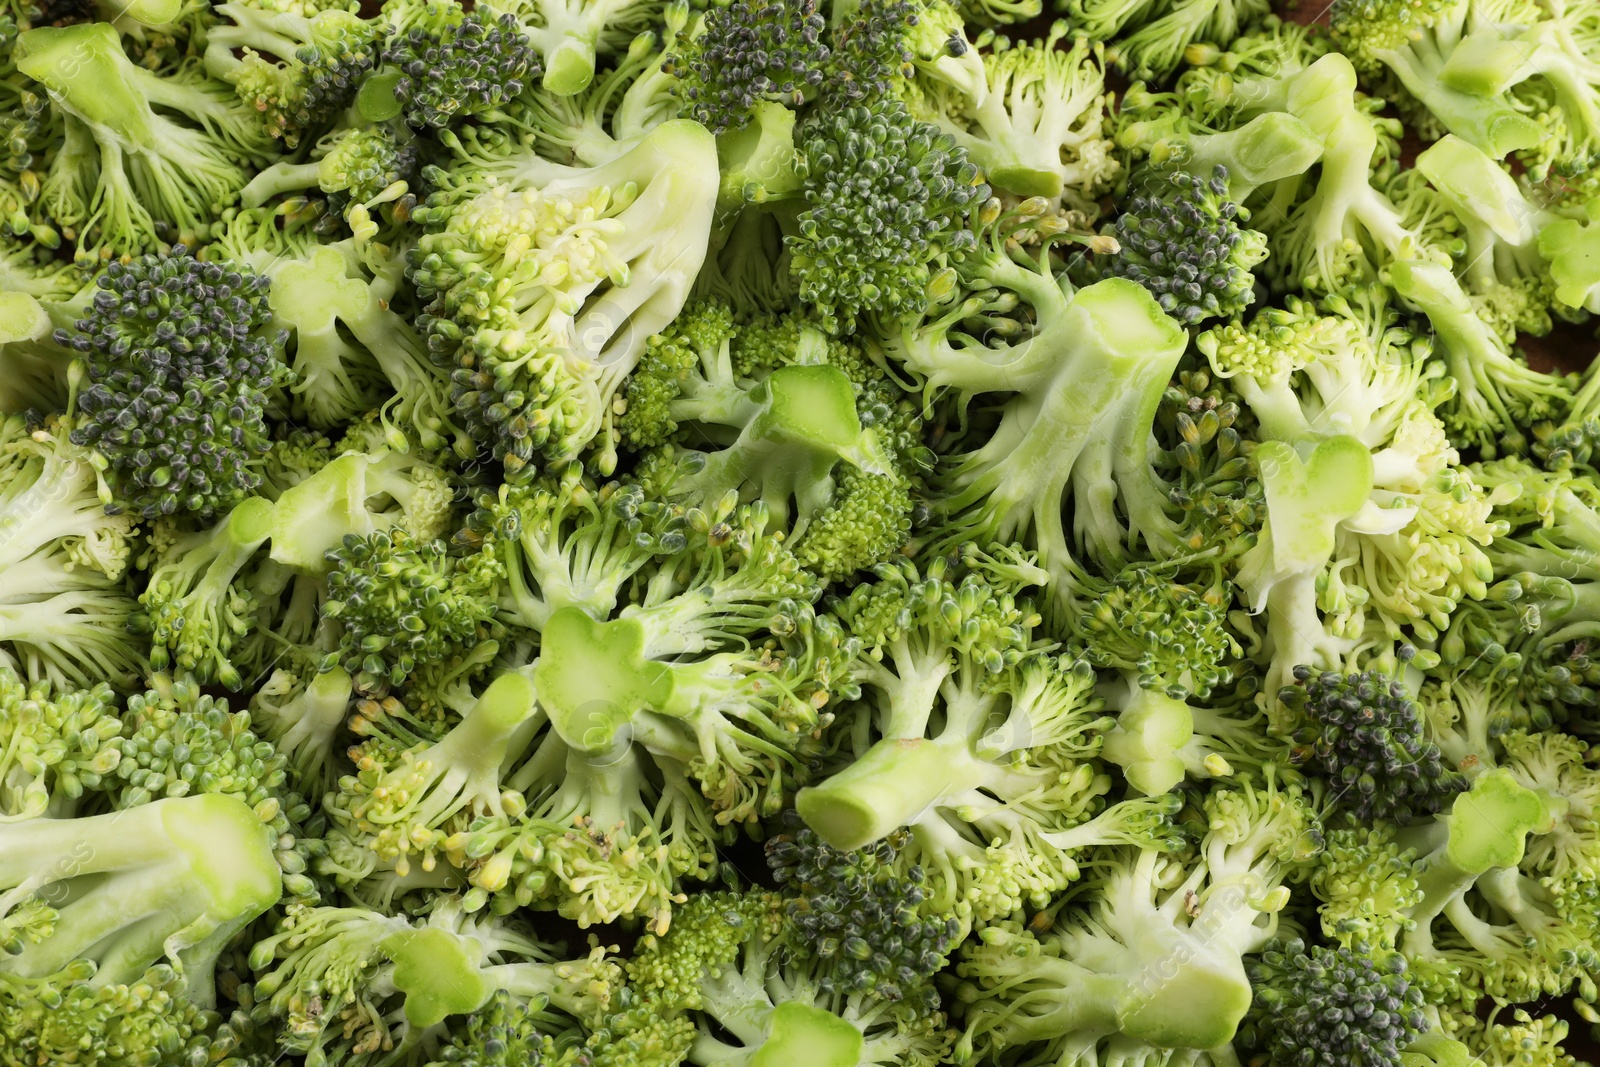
(749, 52)
(863, 915)
(403, 603)
(463, 65)
(1182, 239)
(1332, 1007)
(180, 361)
(1363, 733)
(887, 197)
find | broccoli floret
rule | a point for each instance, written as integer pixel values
(1161, 30)
(1332, 1007)
(714, 687)
(755, 993)
(452, 63)
(1331, 233)
(708, 683)
(1421, 899)
(410, 978)
(1505, 268)
(202, 603)
(544, 283)
(1353, 368)
(627, 100)
(298, 72)
(56, 1018)
(1414, 42)
(1307, 500)
(65, 606)
(356, 168)
(350, 350)
(569, 34)
(181, 362)
(747, 52)
(1556, 766)
(508, 1031)
(812, 427)
(57, 745)
(172, 881)
(868, 923)
(791, 432)
(960, 723)
(1180, 709)
(1363, 734)
(302, 715)
(1537, 58)
(887, 197)
(1154, 952)
(1078, 379)
(1207, 436)
(1265, 150)
(1495, 392)
(569, 543)
(1037, 126)
(148, 157)
(405, 605)
(1182, 239)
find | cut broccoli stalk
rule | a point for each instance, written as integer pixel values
(84, 66)
(895, 781)
(758, 161)
(1149, 740)
(22, 318)
(1489, 65)
(436, 974)
(175, 879)
(797, 426)
(804, 1035)
(1486, 830)
(442, 973)
(1483, 119)
(593, 677)
(1572, 248)
(1266, 149)
(1306, 501)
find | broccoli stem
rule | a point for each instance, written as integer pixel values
(1487, 828)
(176, 878)
(893, 782)
(1481, 120)
(804, 1035)
(282, 177)
(1266, 149)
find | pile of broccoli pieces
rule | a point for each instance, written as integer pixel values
(756, 533)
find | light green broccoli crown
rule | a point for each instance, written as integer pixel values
(58, 744)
